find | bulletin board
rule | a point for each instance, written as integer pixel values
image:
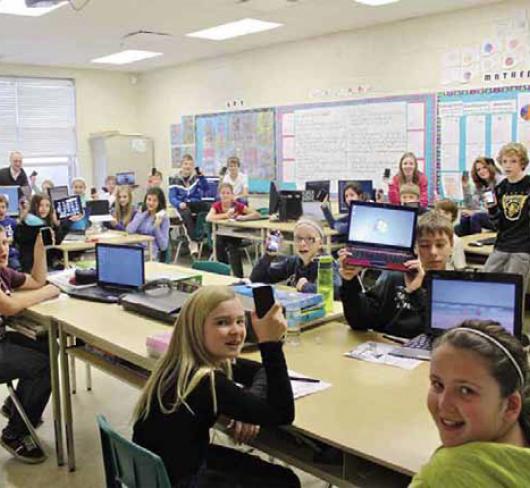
(475, 123)
(355, 139)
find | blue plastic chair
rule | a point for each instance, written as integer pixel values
(127, 464)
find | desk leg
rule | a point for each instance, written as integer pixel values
(56, 392)
(67, 400)
(65, 259)
(328, 245)
(214, 240)
(150, 250)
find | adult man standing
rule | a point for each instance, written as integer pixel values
(14, 174)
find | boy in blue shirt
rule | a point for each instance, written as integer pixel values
(9, 224)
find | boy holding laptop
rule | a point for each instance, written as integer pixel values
(396, 303)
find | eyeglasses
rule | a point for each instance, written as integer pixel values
(307, 240)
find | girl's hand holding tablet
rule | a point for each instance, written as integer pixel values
(272, 327)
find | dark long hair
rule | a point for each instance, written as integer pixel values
(492, 168)
(34, 208)
(159, 193)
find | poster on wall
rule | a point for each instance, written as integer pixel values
(182, 139)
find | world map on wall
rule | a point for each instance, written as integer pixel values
(249, 135)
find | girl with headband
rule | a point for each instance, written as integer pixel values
(480, 401)
(301, 270)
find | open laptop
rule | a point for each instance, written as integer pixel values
(120, 269)
(367, 188)
(68, 207)
(213, 189)
(455, 296)
(319, 189)
(99, 211)
(125, 178)
(12, 194)
(311, 207)
(381, 235)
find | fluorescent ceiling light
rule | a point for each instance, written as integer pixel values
(376, 3)
(126, 57)
(18, 7)
(234, 29)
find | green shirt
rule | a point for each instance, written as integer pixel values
(476, 465)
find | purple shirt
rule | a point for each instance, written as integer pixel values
(143, 223)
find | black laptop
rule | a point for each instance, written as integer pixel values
(381, 236)
(120, 269)
(455, 296)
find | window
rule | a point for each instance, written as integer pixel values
(37, 118)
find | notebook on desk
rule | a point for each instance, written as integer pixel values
(455, 296)
(380, 235)
(120, 269)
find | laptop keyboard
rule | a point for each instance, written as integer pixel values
(423, 341)
(366, 255)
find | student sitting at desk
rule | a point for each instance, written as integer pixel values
(20, 357)
(200, 378)
(408, 173)
(124, 210)
(236, 178)
(186, 193)
(9, 224)
(396, 303)
(153, 221)
(79, 223)
(300, 271)
(227, 248)
(352, 192)
(41, 214)
(479, 399)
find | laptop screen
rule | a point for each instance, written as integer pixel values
(120, 265)
(125, 178)
(320, 189)
(12, 195)
(98, 207)
(381, 225)
(213, 188)
(455, 300)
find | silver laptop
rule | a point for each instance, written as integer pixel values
(455, 296)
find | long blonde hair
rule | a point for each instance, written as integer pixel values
(186, 361)
(124, 216)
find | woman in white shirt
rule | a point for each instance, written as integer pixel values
(236, 178)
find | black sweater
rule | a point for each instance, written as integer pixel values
(271, 269)
(181, 439)
(386, 307)
(511, 216)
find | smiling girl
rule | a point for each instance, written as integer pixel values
(480, 401)
(201, 378)
(124, 210)
(408, 173)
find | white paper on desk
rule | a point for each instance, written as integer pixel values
(302, 388)
(377, 352)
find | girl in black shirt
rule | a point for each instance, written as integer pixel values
(198, 380)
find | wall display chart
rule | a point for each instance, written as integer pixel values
(248, 134)
(355, 140)
(476, 123)
(182, 139)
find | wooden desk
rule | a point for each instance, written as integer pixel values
(475, 254)
(111, 237)
(256, 230)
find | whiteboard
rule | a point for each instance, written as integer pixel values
(354, 140)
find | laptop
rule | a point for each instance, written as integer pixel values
(367, 188)
(99, 211)
(119, 268)
(213, 189)
(125, 178)
(381, 235)
(455, 296)
(68, 207)
(13, 196)
(58, 192)
(319, 189)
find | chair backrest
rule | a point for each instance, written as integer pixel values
(212, 267)
(127, 464)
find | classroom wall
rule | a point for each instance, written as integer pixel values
(396, 58)
(106, 101)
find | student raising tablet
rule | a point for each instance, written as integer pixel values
(152, 220)
(300, 271)
(479, 399)
(228, 249)
(124, 210)
(408, 173)
(198, 380)
(396, 303)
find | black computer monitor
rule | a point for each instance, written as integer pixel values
(366, 186)
(319, 188)
(274, 198)
(12, 194)
(58, 192)
(213, 188)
